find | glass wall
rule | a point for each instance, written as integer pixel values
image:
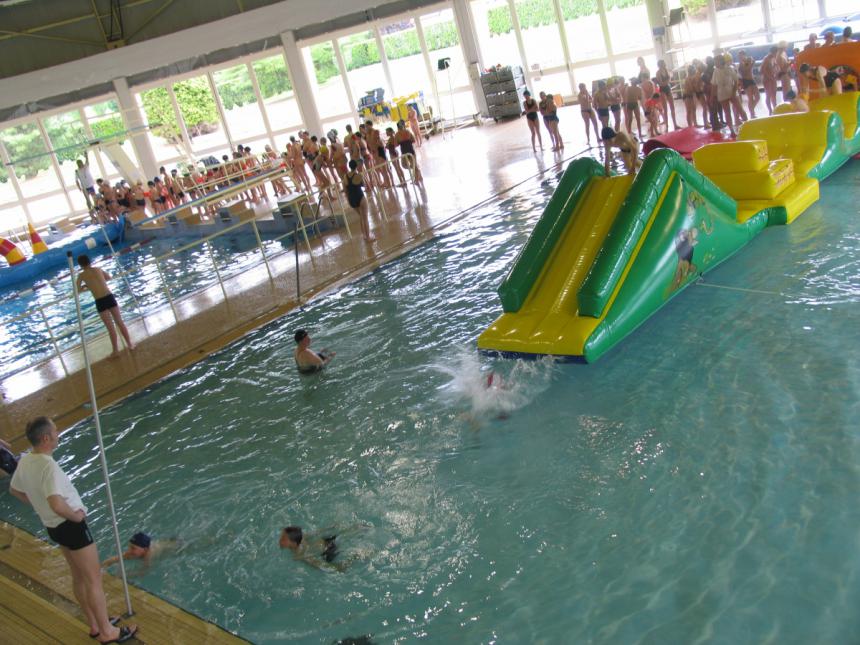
(584, 30)
(363, 63)
(629, 29)
(452, 84)
(740, 22)
(542, 42)
(786, 14)
(276, 89)
(239, 102)
(494, 28)
(405, 59)
(200, 114)
(329, 89)
(163, 133)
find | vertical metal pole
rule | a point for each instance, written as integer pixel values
(296, 247)
(166, 290)
(262, 251)
(53, 339)
(217, 272)
(121, 272)
(102, 458)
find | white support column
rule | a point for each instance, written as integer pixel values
(604, 26)
(768, 20)
(469, 43)
(256, 85)
(221, 114)
(134, 119)
(341, 65)
(180, 121)
(302, 89)
(822, 8)
(55, 163)
(383, 58)
(515, 21)
(712, 17)
(562, 32)
(431, 70)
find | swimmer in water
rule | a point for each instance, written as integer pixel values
(318, 552)
(142, 547)
(307, 360)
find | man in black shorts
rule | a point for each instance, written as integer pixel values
(95, 281)
(40, 482)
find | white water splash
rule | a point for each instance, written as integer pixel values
(493, 387)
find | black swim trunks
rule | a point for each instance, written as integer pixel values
(106, 302)
(532, 116)
(604, 112)
(72, 535)
(615, 107)
(330, 550)
(747, 82)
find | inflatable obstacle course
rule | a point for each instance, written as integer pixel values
(608, 252)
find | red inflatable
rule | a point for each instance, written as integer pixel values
(684, 141)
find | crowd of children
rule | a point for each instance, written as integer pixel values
(312, 164)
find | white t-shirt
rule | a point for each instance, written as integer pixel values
(39, 476)
(85, 176)
(726, 80)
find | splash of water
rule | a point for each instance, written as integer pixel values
(493, 387)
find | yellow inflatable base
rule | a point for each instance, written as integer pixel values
(802, 194)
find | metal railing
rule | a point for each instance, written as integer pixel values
(308, 218)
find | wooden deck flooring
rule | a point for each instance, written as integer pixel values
(37, 604)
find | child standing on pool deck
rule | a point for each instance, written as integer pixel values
(95, 280)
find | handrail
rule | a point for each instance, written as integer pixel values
(301, 226)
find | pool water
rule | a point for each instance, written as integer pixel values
(26, 340)
(698, 484)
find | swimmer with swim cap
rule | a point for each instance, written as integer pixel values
(307, 360)
(141, 546)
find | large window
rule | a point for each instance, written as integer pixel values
(495, 31)
(241, 108)
(584, 30)
(68, 139)
(164, 133)
(12, 218)
(405, 59)
(841, 7)
(452, 84)
(786, 14)
(329, 91)
(542, 42)
(363, 65)
(277, 92)
(7, 190)
(739, 21)
(696, 25)
(629, 29)
(200, 115)
(105, 122)
(31, 159)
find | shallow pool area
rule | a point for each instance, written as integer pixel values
(697, 484)
(137, 284)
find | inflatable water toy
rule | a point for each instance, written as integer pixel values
(684, 141)
(80, 241)
(11, 252)
(609, 251)
(36, 243)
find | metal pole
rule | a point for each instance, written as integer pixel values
(296, 247)
(102, 458)
(53, 339)
(217, 272)
(262, 251)
(166, 290)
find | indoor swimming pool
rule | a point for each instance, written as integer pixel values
(697, 484)
(25, 340)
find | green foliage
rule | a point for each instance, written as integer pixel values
(322, 55)
(272, 76)
(696, 7)
(361, 54)
(159, 113)
(234, 87)
(196, 104)
(539, 13)
(23, 141)
(441, 36)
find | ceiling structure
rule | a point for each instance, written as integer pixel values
(35, 34)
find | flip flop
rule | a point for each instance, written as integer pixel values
(125, 634)
(113, 620)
